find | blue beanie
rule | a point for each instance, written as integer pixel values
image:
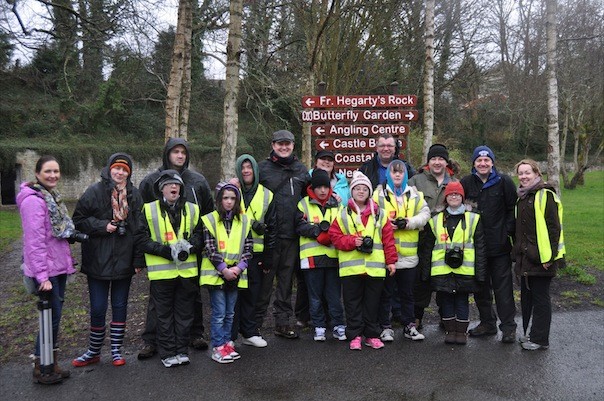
(482, 151)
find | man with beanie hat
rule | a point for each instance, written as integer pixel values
(286, 177)
(495, 196)
(195, 190)
(386, 150)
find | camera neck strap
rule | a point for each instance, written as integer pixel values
(449, 237)
(375, 224)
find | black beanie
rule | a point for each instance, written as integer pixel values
(319, 178)
(438, 150)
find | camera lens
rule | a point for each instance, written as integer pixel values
(400, 223)
(183, 255)
(324, 225)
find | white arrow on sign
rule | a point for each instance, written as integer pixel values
(320, 130)
(309, 102)
(410, 115)
(323, 144)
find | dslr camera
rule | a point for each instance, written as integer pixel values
(181, 250)
(367, 245)
(121, 227)
(258, 227)
(454, 257)
(324, 226)
(400, 223)
(77, 236)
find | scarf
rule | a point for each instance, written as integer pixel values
(62, 225)
(284, 161)
(460, 210)
(119, 203)
(523, 191)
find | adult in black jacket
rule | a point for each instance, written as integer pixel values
(287, 178)
(109, 213)
(197, 191)
(386, 150)
(495, 196)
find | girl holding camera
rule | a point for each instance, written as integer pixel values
(108, 213)
(454, 257)
(364, 238)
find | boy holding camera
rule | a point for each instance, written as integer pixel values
(172, 235)
(455, 255)
(318, 257)
(364, 238)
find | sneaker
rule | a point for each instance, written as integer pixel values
(483, 330)
(286, 332)
(255, 341)
(199, 343)
(87, 358)
(339, 332)
(523, 339)
(374, 343)
(355, 344)
(170, 361)
(231, 347)
(387, 335)
(183, 359)
(319, 334)
(412, 333)
(147, 352)
(221, 355)
(531, 346)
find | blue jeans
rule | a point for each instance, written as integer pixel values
(223, 310)
(99, 294)
(455, 305)
(56, 302)
(324, 283)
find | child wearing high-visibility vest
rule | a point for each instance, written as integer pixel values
(366, 252)
(318, 257)
(228, 248)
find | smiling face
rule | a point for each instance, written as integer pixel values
(526, 174)
(454, 200)
(283, 148)
(483, 166)
(119, 175)
(171, 192)
(385, 150)
(49, 174)
(360, 193)
(228, 200)
(247, 173)
(325, 163)
(437, 165)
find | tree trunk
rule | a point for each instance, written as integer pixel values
(228, 149)
(429, 79)
(178, 98)
(553, 136)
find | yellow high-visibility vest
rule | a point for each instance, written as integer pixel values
(464, 239)
(256, 210)
(309, 247)
(543, 243)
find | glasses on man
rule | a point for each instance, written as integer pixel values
(385, 146)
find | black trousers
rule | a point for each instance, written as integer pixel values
(244, 321)
(361, 295)
(174, 300)
(536, 303)
(498, 283)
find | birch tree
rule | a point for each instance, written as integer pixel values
(428, 129)
(553, 137)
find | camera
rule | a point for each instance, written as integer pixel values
(454, 257)
(121, 227)
(181, 251)
(367, 245)
(400, 223)
(324, 225)
(77, 236)
(183, 255)
(258, 227)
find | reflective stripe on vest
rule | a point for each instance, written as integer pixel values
(543, 243)
(309, 247)
(354, 262)
(230, 247)
(159, 268)
(256, 210)
(464, 239)
(405, 240)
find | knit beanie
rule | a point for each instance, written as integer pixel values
(168, 177)
(121, 160)
(483, 151)
(454, 187)
(438, 150)
(319, 178)
(359, 178)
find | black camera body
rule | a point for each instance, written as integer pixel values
(78, 236)
(258, 227)
(400, 223)
(121, 227)
(324, 225)
(454, 257)
(366, 246)
(183, 255)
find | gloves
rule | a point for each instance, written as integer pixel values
(166, 252)
(267, 261)
(316, 231)
(324, 238)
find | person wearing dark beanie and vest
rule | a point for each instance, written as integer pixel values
(318, 257)
(538, 251)
(108, 212)
(454, 256)
(325, 160)
(495, 196)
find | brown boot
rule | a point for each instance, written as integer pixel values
(64, 373)
(39, 377)
(449, 324)
(461, 328)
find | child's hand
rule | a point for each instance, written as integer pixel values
(391, 268)
(358, 241)
(229, 274)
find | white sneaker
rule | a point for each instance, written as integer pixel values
(412, 333)
(255, 341)
(319, 334)
(170, 361)
(232, 352)
(221, 355)
(183, 359)
(339, 332)
(387, 335)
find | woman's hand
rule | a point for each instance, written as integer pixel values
(547, 265)
(45, 286)
(111, 227)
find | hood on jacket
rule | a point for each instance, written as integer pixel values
(390, 182)
(26, 190)
(106, 175)
(238, 165)
(171, 144)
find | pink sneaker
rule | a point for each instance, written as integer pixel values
(355, 344)
(374, 343)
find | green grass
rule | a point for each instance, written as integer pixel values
(11, 228)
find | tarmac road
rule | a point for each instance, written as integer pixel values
(485, 369)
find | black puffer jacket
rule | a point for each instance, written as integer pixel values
(454, 282)
(495, 201)
(108, 256)
(287, 182)
(197, 189)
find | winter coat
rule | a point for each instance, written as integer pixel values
(372, 166)
(197, 189)
(287, 182)
(425, 182)
(454, 282)
(526, 251)
(495, 201)
(108, 256)
(340, 188)
(44, 255)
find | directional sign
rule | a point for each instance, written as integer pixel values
(347, 171)
(359, 130)
(355, 159)
(346, 144)
(362, 101)
(311, 116)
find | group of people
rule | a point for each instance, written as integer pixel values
(364, 254)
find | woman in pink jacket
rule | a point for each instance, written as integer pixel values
(46, 255)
